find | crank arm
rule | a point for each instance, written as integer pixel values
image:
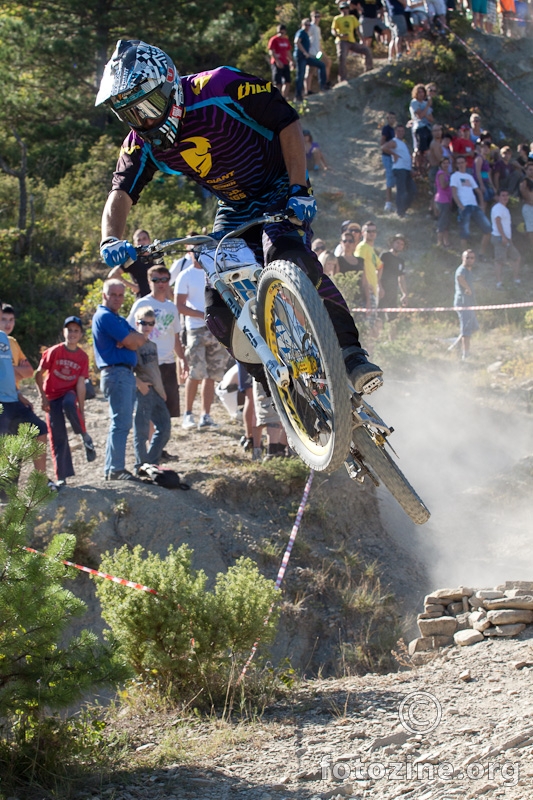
(278, 372)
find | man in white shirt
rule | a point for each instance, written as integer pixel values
(402, 170)
(315, 50)
(504, 249)
(165, 333)
(206, 357)
(464, 192)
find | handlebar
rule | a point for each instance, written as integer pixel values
(158, 246)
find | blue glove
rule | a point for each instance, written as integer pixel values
(116, 252)
(301, 203)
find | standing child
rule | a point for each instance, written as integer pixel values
(60, 379)
(150, 400)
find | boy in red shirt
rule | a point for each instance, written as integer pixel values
(463, 145)
(60, 378)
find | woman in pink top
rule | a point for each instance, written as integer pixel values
(443, 202)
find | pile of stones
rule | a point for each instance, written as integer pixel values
(465, 616)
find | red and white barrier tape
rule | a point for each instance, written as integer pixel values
(491, 70)
(121, 581)
(283, 567)
(402, 310)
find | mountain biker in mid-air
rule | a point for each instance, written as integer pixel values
(236, 136)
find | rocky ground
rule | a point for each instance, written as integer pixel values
(345, 737)
(458, 727)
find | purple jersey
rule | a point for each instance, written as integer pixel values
(229, 142)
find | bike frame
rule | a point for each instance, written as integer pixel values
(234, 282)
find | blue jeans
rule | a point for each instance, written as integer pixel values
(301, 63)
(405, 190)
(475, 214)
(118, 387)
(150, 407)
(66, 406)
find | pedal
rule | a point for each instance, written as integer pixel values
(372, 385)
(354, 470)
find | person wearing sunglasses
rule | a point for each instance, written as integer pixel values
(165, 334)
(150, 399)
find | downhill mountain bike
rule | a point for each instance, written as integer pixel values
(281, 323)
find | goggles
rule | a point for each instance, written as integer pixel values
(148, 107)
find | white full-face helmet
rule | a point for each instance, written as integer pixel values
(143, 87)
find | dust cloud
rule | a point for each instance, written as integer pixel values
(463, 458)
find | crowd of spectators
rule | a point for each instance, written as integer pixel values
(142, 360)
(362, 26)
(483, 184)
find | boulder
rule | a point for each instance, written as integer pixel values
(425, 643)
(443, 626)
(520, 601)
(446, 596)
(505, 630)
(509, 616)
(526, 587)
(482, 624)
(476, 602)
(463, 638)
(489, 594)
(455, 608)
(432, 608)
(463, 621)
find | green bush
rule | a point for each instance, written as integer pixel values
(186, 639)
(41, 668)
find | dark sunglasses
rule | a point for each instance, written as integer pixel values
(347, 240)
(164, 279)
(144, 322)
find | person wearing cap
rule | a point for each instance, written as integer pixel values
(60, 378)
(344, 29)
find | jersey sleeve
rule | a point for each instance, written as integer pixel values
(134, 167)
(260, 101)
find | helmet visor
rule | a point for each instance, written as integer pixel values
(139, 114)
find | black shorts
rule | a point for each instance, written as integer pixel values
(14, 414)
(169, 376)
(281, 75)
(423, 138)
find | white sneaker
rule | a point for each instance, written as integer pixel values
(388, 206)
(188, 422)
(206, 422)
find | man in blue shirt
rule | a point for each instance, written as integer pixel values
(115, 343)
(16, 409)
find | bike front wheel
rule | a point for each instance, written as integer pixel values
(315, 408)
(375, 457)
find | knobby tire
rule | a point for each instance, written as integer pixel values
(297, 328)
(388, 473)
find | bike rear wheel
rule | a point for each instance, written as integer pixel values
(315, 409)
(380, 462)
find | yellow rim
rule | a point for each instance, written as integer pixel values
(297, 367)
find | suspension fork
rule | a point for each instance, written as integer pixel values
(244, 319)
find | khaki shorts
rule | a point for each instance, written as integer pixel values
(504, 252)
(265, 413)
(205, 355)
